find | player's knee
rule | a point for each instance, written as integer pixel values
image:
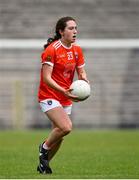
(67, 129)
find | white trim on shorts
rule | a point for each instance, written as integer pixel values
(49, 104)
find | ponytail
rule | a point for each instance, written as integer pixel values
(50, 40)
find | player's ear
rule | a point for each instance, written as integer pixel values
(61, 32)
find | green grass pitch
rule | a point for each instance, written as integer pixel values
(87, 154)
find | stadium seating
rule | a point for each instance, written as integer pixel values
(96, 18)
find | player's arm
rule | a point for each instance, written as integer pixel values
(47, 77)
(48, 57)
(82, 74)
(80, 66)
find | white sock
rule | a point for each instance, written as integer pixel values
(45, 146)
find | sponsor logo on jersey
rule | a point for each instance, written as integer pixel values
(62, 55)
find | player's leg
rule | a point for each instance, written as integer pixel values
(54, 149)
(63, 126)
(57, 145)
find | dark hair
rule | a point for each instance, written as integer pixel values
(60, 25)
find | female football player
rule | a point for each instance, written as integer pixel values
(60, 58)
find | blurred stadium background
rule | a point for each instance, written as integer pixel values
(113, 69)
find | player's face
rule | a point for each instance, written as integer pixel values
(70, 32)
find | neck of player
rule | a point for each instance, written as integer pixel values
(65, 42)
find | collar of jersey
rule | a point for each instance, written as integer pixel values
(65, 46)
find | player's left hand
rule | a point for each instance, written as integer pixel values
(69, 94)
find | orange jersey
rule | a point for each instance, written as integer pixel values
(64, 61)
